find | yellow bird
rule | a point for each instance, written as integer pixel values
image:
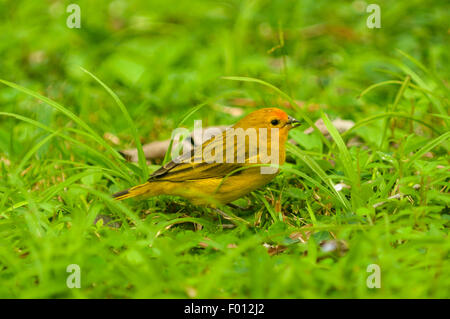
(226, 167)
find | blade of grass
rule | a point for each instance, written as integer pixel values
(122, 173)
(34, 149)
(373, 86)
(269, 208)
(423, 90)
(311, 213)
(183, 119)
(312, 181)
(53, 190)
(123, 211)
(394, 106)
(141, 156)
(319, 171)
(346, 161)
(424, 69)
(391, 114)
(423, 85)
(66, 112)
(426, 148)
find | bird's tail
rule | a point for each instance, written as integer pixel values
(133, 191)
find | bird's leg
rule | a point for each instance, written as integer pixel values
(227, 225)
(234, 206)
(223, 214)
(227, 217)
(234, 219)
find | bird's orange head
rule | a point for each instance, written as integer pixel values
(268, 118)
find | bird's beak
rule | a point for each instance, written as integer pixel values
(293, 122)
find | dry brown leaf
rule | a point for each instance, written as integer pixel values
(5, 160)
(302, 235)
(112, 138)
(234, 111)
(203, 244)
(274, 249)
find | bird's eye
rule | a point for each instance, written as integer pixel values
(275, 122)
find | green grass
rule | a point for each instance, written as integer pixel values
(137, 70)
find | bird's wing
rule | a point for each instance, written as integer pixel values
(185, 168)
